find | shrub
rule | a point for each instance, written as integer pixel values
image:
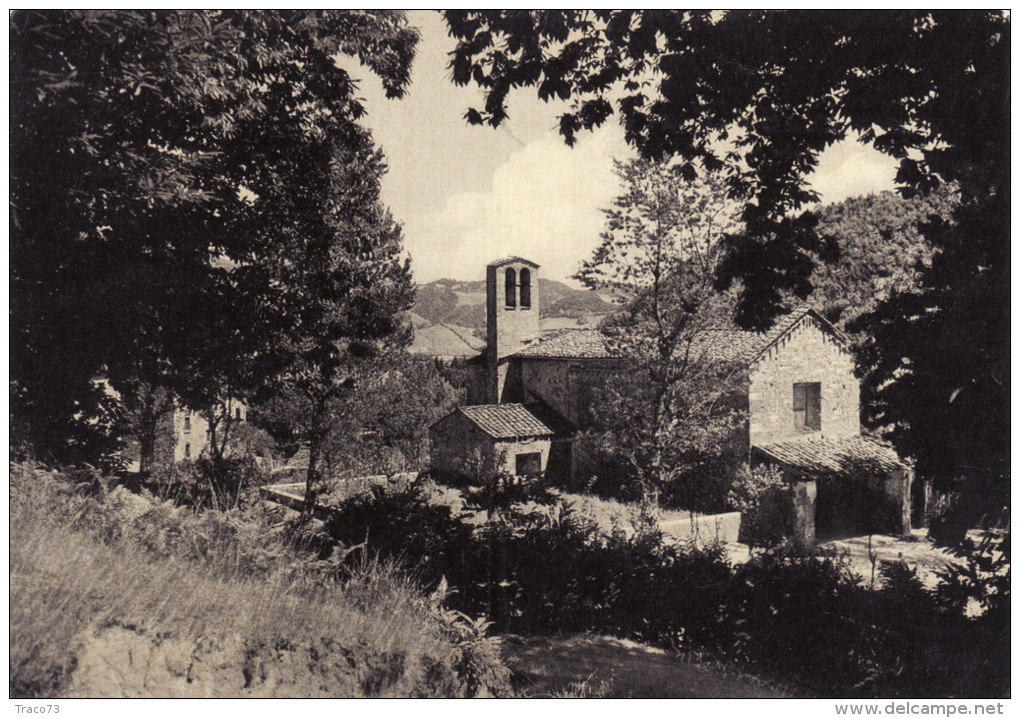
(794, 615)
(399, 520)
(543, 567)
(217, 484)
(764, 500)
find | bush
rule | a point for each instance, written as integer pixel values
(795, 616)
(399, 520)
(764, 500)
(539, 568)
(208, 484)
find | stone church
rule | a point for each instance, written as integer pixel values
(797, 386)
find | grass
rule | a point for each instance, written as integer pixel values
(595, 666)
(70, 579)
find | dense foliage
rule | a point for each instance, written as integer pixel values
(378, 427)
(663, 421)
(880, 251)
(165, 169)
(764, 499)
(545, 568)
(345, 290)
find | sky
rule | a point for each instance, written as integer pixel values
(467, 195)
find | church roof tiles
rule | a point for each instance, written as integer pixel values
(568, 344)
(720, 345)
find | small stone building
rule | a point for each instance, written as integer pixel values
(842, 487)
(514, 433)
(796, 383)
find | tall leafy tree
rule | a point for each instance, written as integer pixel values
(344, 288)
(161, 163)
(664, 415)
(759, 95)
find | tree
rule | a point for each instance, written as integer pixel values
(160, 164)
(759, 95)
(381, 427)
(881, 249)
(661, 246)
(344, 290)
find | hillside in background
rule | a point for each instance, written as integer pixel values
(449, 316)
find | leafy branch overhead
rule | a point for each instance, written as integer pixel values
(759, 95)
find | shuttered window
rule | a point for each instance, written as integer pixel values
(807, 406)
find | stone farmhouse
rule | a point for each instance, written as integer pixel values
(182, 434)
(188, 431)
(797, 386)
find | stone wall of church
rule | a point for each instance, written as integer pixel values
(808, 354)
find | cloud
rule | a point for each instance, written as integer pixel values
(543, 203)
(851, 169)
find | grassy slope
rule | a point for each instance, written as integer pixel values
(121, 607)
(375, 634)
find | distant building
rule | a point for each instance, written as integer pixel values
(797, 385)
(187, 431)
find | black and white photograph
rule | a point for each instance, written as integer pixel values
(510, 354)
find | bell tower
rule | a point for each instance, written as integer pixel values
(511, 304)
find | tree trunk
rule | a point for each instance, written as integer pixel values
(147, 450)
(214, 453)
(148, 420)
(315, 480)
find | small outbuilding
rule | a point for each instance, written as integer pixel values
(843, 487)
(532, 440)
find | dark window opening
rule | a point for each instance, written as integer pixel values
(511, 289)
(187, 423)
(187, 451)
(237, 413)
(807, 406)
(528, 464)
(525, 289)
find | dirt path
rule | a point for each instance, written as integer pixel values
(600, 666)
(916, 550)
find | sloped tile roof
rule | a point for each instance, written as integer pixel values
(723, 345)
(834, 457)
(568, 344)
(506, 421)
(727, 345)
(735, 345)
